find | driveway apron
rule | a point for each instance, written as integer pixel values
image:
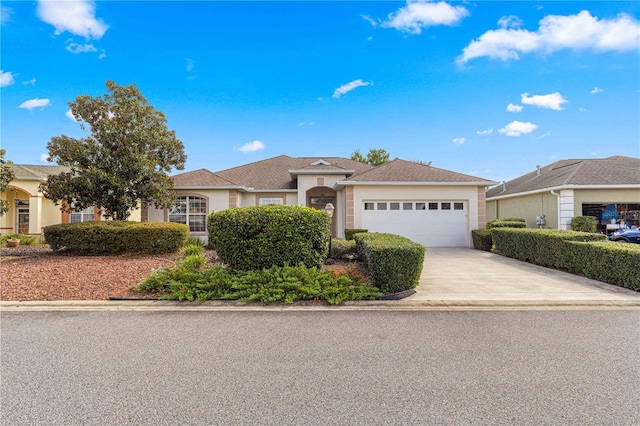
(463, 274)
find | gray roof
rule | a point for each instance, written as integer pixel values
(400, 170)
(36, 172)
(613, 171)
(200, 178)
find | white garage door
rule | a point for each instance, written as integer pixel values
(430, 223)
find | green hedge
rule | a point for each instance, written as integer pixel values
(350, 232)
(583, 224)
(117, 237)
(506, 224)
(394, 262)
(343, 249)
(482, 239)
(25, 240)
(254, 238)
(614, 263)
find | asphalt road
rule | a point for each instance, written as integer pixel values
(327, 367)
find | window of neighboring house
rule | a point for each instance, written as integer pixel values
(86, 215)
(278, 201)
(191, 211)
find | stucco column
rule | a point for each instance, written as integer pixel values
(35, 214)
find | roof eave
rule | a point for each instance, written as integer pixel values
(343, 183)
(561, 187)
(294, 173)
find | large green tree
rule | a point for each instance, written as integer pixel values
(125, 161)
(6, 176)
(375, 157)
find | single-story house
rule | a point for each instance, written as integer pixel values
(432, 206)
(29, 211)
(550, 196)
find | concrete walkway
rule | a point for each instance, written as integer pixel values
(467, 276)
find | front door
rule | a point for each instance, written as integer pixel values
(320, 203)
(23, 220)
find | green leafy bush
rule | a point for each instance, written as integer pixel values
(501, 223)
(25, 240)
(394, 262)
(513, 219)
(343, 249)
(117, 237)
(482, 239)
(613, 263)
(191, 249)
(350, 232)
(583, 224)
(254, 238)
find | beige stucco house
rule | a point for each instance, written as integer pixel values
(606, 188)
(432, 206)
(29, 212)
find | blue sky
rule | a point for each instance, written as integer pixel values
(484, 88)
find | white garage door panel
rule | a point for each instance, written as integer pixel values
(432, 228)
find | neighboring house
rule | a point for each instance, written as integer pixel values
(606, 188)
(432, 206)
(29, 211)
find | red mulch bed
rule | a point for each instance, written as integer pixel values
(38, 273)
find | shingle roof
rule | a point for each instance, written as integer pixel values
(408, 171)
(34, 172)
(200, 178)
(273, 173)
(616, 170)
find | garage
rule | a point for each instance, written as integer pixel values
(432, 223)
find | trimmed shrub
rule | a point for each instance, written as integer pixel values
(501, 223)
(111, 237)
(514, 219)
(482, 239)
(254, 238)
(614, 263)
(25, 240)
(583, 224)
(394, 262)
(544, 247)
(350, 232)
(343, 249)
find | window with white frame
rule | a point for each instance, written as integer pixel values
(86, 215)
(191, 211)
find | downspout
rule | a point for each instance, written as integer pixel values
(558, 204)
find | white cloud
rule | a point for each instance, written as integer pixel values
(102, 54)
(307, 123)
(31, 82)
(35, 103)
(251, 147)
(70, 116)
(370, 20)
(416, 15)
(510, 21)
(5, 14)
(551, 101)
(485, 132)
(458, 141)
(190, 64)
(556, 32)
(514, 108)
(43, 158)
(582, 109)
(76, 48)
(76, 17)
(596, 90)
(518, 128)
(346, 88)
(6, 78)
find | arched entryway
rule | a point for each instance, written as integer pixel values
(318, 198)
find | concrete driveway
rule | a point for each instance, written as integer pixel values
(460, 275)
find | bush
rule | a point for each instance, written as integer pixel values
(583, 224)
(482, 239)
(540, 246)
(343, 249)
(350, 232)
(394, 262)
(501, 223)
(117, 237)
(614, 263)
(254, 238)
(25, 240)
(190, 250)
(514, 219)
